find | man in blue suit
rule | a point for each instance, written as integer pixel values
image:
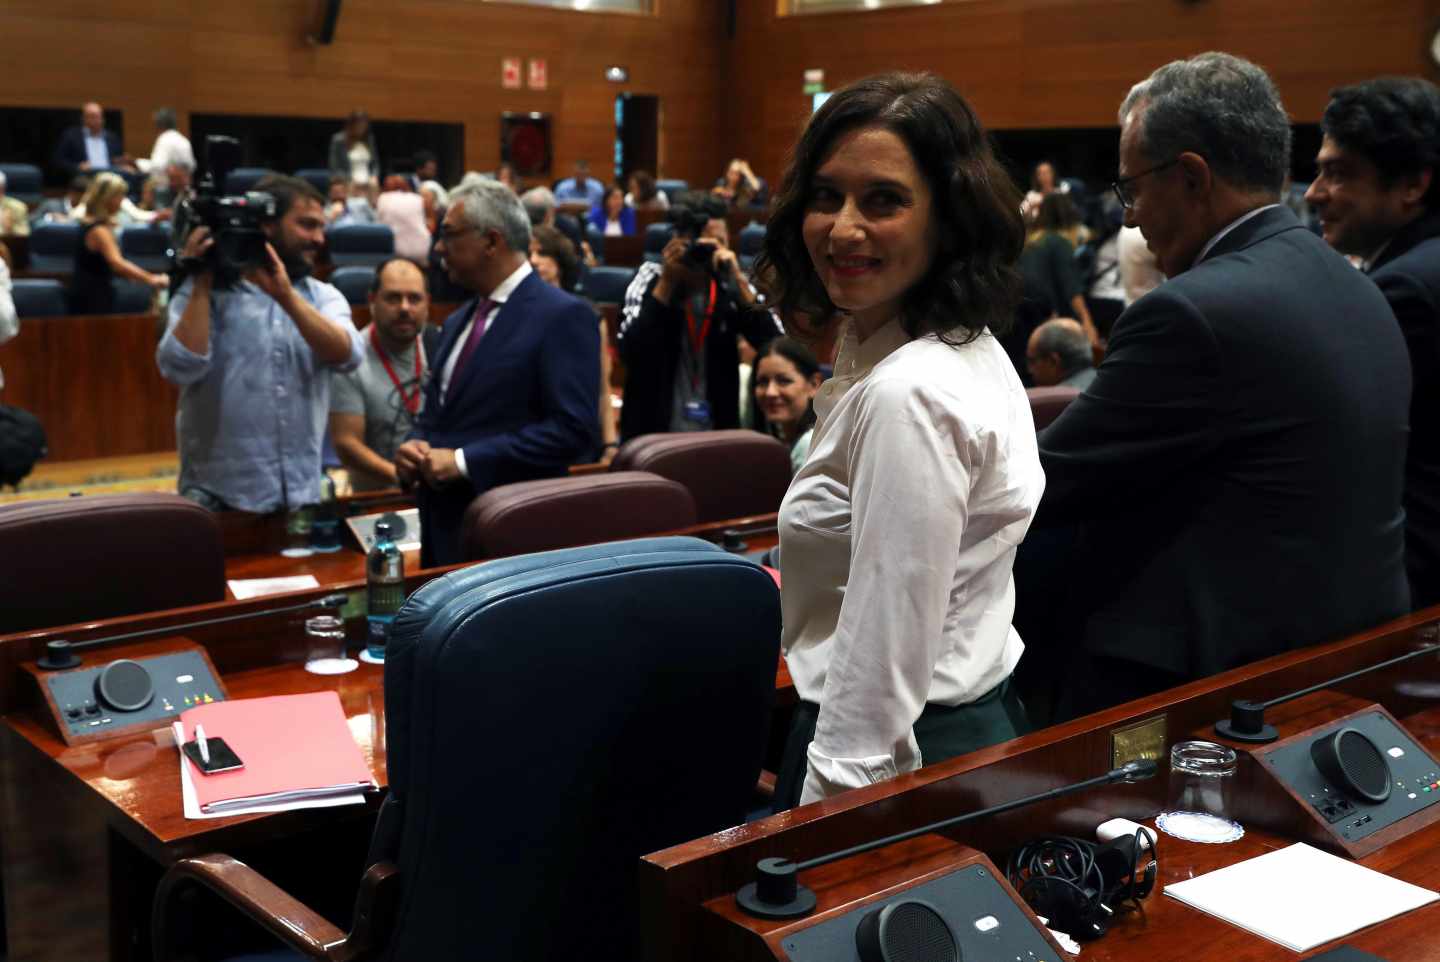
(514, 384)
(89, 146)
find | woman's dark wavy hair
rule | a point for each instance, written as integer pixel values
(973, 282)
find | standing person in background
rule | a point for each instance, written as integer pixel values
(98, 260)
(787, 378)
(898, 535)
(172, 148)
(353, 154)
(1043, 182)
(403, 211)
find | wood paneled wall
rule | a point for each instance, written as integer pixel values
(435, 60)
(1058, 63)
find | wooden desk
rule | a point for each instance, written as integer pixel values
(688, 890)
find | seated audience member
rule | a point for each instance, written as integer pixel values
(433, 198)
(787, 378)
(361, 198)
(739, 187)
(678, 327)
(89, 146)
(643, 195)
(1216, 450)
(353, 154)
(14, 215)
(335, 198)
(60, 210)
(98, 260)
(540, 208)
(581, 188)
(427, 167)
(553, 258)
(516, 374)
(9, 318)
(613, 217)
(1043, 183)
(403, 211)
(373, 407)
(1378, 196)
(1139, 272)
(172, 148)
(1060, 353)
(251, 355)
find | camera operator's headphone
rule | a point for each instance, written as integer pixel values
(1081, 886)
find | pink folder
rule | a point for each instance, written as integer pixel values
(294, 747)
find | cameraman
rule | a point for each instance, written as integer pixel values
(678, 329)
(251, 359)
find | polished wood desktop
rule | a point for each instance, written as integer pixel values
(688, 891)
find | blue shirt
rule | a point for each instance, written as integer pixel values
(569, 191)
(97, 152)
(253, 410)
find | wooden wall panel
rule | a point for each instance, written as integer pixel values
(431, 60)
(1057, 63)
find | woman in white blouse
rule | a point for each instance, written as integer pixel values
(898, 535)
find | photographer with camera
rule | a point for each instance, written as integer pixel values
(250, 341)
(678, 329)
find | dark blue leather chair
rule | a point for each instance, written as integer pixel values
(672, 189)
(132, 297)
(364, 245)
(242, 179)
(147, 246)
(53, 247)
(39, 297)
(657, 235)
(550, 718)
(606, 285)
(595, 237)
(752, 238)
(317, 177)
(23, 182)
(354, 282)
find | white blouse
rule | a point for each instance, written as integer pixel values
(897, 539)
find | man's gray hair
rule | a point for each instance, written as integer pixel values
(1221, 107)
(539, 202)
(165, 118)
(1066, 339)
(490, 205)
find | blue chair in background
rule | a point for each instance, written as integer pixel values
(354, 282)
(752, 238)
(53, 248)
(606, 285)
(147, 246)
(656, 237)
(317, 177)
(39, 297)
(363, 245)
(629, 685)
(595, 237)
(23, 182)
(243, 179)
(132, 297)
(672, 189)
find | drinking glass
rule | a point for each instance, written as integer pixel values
(1202, 782)
(326, 637)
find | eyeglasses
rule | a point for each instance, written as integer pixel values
(1122, 186)
(450, 233)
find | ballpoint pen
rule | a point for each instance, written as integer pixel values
(201, 744)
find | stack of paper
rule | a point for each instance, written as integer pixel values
(1300, 896)
(297, 752)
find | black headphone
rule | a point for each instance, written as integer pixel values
(1080, 886)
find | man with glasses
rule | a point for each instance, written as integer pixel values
(1235, 468)
(515, 378)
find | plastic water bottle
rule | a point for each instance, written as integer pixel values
(385, 586)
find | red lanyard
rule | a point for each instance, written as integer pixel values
(411, 401)
(697, 338)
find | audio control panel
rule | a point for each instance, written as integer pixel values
(1378, 776)
(981, 911)
(95, 702)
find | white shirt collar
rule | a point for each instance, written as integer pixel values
(502, 293)
(1368, 264)
(854, 360)
(1210, 245)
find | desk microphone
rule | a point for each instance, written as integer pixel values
(1247, 718)
(777, 893)
(60, 654)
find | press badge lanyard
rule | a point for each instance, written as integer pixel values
(411, 401)
(697, 339)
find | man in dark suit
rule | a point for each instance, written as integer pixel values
(514, 382)
(1237, 464)
(1378, 196)
(89, 146)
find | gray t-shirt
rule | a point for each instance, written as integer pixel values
(369, 390)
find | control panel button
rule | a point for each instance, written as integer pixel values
(1396, 752)
(987, 923)
(91, 708)
(184, 679)
(72, 713)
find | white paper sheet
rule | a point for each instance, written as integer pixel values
(243, 588)
(1300, 896)
(191, 804)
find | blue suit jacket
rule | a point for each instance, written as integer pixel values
(524, 406)
(627, 220)
(70, 150)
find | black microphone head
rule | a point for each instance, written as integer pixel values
(1138, 770)
(338, 600)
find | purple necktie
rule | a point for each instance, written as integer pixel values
(477, 330)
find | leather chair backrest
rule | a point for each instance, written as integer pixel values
(606, 284)
(1046, 403)
(672, 189)
(362, 244)
(570, 714)
(731, 474)
(53, 247)
(243, 179)
(317, 177)
(39, 297)
(146, 245)
(354, 282)
(657, 235)
(22, 181)
(103, 556)
(561, 512)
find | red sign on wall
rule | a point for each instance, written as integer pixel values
(538, 74)
(510, 73)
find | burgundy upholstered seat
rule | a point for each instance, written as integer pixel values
(564, 512)
(1046, 403)
(103, 556)
(731, 474)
